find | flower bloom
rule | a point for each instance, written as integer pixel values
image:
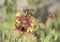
(24, 23)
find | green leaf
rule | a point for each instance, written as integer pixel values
(47, 38)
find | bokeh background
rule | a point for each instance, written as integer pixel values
(47, 12)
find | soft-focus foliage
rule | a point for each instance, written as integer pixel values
(39, 31)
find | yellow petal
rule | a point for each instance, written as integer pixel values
(33, 19)
(32, 24)
(17, 21)
(31, 29)
(28, 30)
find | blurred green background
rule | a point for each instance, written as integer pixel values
(47, 12)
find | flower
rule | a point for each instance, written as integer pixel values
(23, 29)
(17, 26)
(18, 21)
(24, 23)
(26, 11)
(29, 30)
(20, 18)
(33, 19)
(29, 21)
(20, 28)
(32, 25)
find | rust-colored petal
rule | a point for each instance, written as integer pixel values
(26, 10)
(29, 21)
(17, 26)
(21, 18)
